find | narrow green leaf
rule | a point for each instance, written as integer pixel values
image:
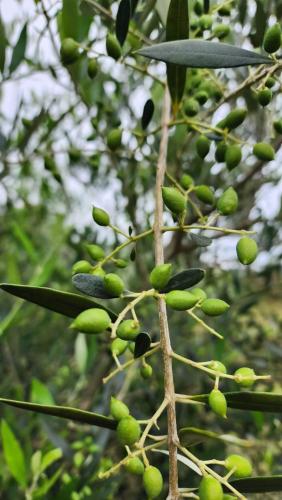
(49, 458)
(47, 484)
(142, 344)
(65, 303)
(40, 393)
(259, 23)
(177, 28)
(13, 454)
(203, 54)
(3, 45)
(82, 416)
(25, 241)
(19, 50)
(206, 6)
(69, 19)
(191, 436)
(258, 484)
(200, 240)
(251, 401)
(122, 20)
(185, 279)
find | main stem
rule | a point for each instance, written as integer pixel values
(163, 322)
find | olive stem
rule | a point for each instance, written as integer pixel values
(151, 422)
(204, 325)
(128, 364)
(128, 308)
(199, 366)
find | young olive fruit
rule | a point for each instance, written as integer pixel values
(92, 68)
(146, 371)
(118, 409)
(226, 496)
(214, 307)
(233, 156)
(210, 489)
(245, 376)
(247, 250)
(242, 466)
(201, 96)
(113, 284)
(113, 47)
(277, 125)
(98, 271)
(225, 10)
(81, 266)
(227, 204)
(95, 251)
(119, 346)
(198, 8)
(264, 97)
(217, 366)
(92, 321)
(270, 82)
(199, 293)
(203, 146)
(235, 118)
(69, 51)
(128, 329)
(160, 276)
(135, 466)
(174, 200)
(205, 194)
(131, 346)
(217, 402)
(100, 216)
(180, 300)
(186, 181)
(114, 139)
(121, 263)
(264, 151)
(152, 482)
(272, 39)
(128, 431)
(205, 22)
(220, 152)
(191, 107)
(221, 31)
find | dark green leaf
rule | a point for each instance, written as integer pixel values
(69, 18)
(183, 280)
(191, 436)
(258, 484)
(65, 303)
(200, 240)
(242, 11)
(19, 50)
(177, 28)
(122, 20)
(91, 285)
(142, 344)
(133, 6)
(82, 416)
(260, 24)
(203, 54)
(13, 454)
(252, 401)
(206, 6)
(147, 115)
(3, 44)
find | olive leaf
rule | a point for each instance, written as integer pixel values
(147, 115)
(206, 6)
(247, 400)
(203, 54)
(183, 280)
(142, 344)
(200, 240)
(66, 303)
(122, 20)
(177, 28)
(258, 484)
(19, 50)
(3, 45)
(91, 285)
(82, 416)
(191, 436)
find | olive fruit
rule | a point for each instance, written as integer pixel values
(128, 431)
(220, 152)
(270, 82)
(113, 47)
(205, 22)
(235, 118)
(264, 96)
(203, 146)
(160, 276)
(217, 402)
(121, 263)
(100, 216)
(174, 200)
(180, 300)
(81, 266)
(272, 39)
(227, 204)
(135, 466)
(95, 251)
(245, 376)
(186, 181)
(146, 371)
(205, 194)
(113, 284)
(233, 156)
(199, 293)
(119, 346)
(152, 482)
(241, 465)
(214, 307)
(264, 151)
(114, 139)
(201, 96)
(217, 366)
(221, 31)
(92, 68)
(98, 271)
(118, 409)
(247, 250)
(226, 496)
(191, 107)
(69, 51)
(128, 329)
(92, 321)
(277, 125)
(210, 489)
(198, 8)
(225, 10)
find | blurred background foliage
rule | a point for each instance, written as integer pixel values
(54, 164)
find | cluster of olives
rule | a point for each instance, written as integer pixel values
(204, 21)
